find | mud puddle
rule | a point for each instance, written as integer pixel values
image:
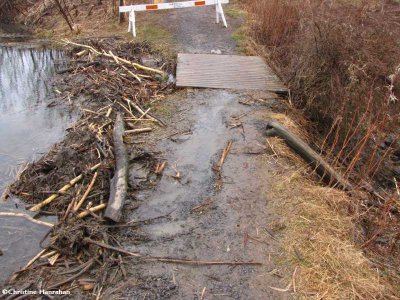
(28, 127)
(190, 152)
(206, 220)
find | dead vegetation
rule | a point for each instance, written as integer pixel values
(52, 18)
(340, 61)
(319, 234)
(10, 8)
(104, 78)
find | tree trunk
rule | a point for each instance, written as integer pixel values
(327, 173)
(121, 15)
(64, 14)
(119, 185)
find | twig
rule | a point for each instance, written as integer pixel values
(103, 245)
(36, 257)
(160, 167)
(177, 173)
(66, 187)
(91, 210)
(135, 65)
(87, 267)
(225, 153)
(202, 263)
(79, 204)
(139, 130)
(28, 217)
(171, 260)
(140, 110)
(143, 115)
(109, 112)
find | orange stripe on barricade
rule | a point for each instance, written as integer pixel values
(150, 7)
(199, 3)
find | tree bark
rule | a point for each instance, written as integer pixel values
(119, 185)
(64, 14)
(121, 15)
(327, 173)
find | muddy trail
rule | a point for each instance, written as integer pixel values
(201, 222)
(210, 216)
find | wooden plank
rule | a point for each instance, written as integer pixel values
(226, 71)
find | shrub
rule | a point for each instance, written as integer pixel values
(340, 60)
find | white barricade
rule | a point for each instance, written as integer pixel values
(131, 9)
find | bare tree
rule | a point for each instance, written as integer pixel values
(64, 13)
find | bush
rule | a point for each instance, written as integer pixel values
(340, 60)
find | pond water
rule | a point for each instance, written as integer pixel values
(28, 127)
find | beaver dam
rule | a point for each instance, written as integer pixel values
(75, 173)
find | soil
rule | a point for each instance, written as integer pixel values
(206, 223)
(194, 31)
(207, 219)
(190, 211)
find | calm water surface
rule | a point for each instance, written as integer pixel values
(28, 127)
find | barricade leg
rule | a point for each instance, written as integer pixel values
(217, 13)
(132, 23)
(221, 12)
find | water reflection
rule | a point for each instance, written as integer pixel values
(27, 126)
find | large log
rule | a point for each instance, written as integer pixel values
(118, 188)
(327, 173)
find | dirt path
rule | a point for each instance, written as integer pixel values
(207, 219)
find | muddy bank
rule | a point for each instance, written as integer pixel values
(20, 36)
(210, 216)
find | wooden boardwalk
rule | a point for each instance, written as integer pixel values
(227, 72)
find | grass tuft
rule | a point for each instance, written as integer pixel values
(318, 232)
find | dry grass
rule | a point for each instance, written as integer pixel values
(319, 233)
(341, 61)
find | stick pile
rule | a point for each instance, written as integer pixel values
(104, 79)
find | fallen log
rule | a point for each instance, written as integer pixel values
(327, 173)
(118, 188)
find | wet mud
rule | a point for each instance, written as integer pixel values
(205, 219)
